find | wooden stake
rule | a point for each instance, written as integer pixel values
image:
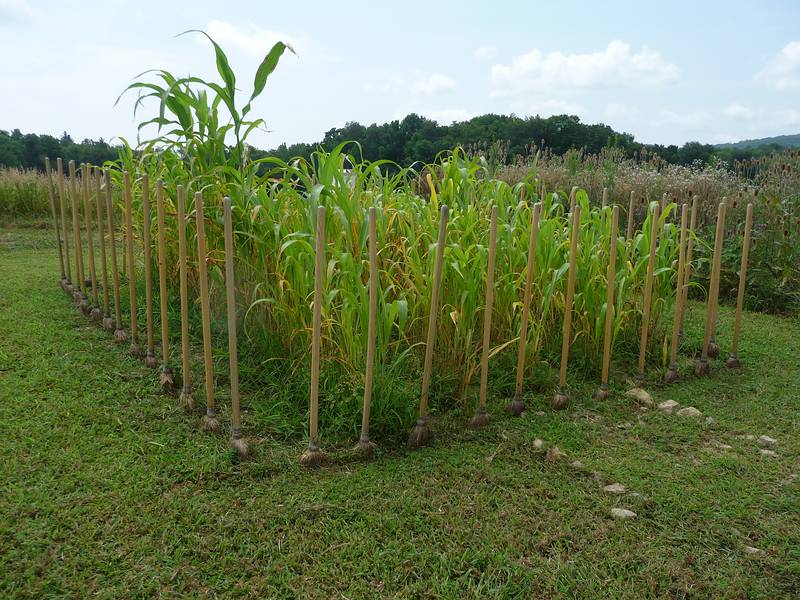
(54, 218)
(210, 421)
(62, 199)
(365, 446)
(230, 300)
(572, 194)
(119, 333)
(701, 368)
(672, 374)
(605, 198)
(147, 226)
(560, 399)
(420, 434)
(631, 206)
(314, 456)
(76, 233)
(687, 275)
(611, 276)
(733, 361)
(648, 292)
(101, 232)
(86, 180)
(186, 397)
(517, 406)
(135, 349)
(165, 378)
(481, 417)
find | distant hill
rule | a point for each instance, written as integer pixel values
(782, 141)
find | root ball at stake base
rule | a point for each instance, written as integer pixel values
(150, 360)
(420, 434)
(108, 323)
(602, 392)
(560, 400)
(733, 362)
(186, 399)
(166, 379)
(479, 419)
(240, 446)
(120, 336)
(83, 304)
(313, 457)
(713, 349)
(210, 423)
(69, 289)
(701, 367)
(516, 407)
(135, 350)
(671, 376)
(364, 449)
(96, 315)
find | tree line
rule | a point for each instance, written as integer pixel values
(412, 139)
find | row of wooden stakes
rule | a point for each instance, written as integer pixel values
(421, 433)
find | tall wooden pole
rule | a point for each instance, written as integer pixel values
(733, 361)
(611, 276)
(517, 405)
(701, 367)
(631, 208)
(672, 374)
(365, 446)
(560, 399)
(421, 434)
(119, 333)
(165, 376)
(135, 349)
(108, 324)
(687, 272)
(79, 294)
(186, 398)
(210, 422)
(62, 200)
(54, 218)
(86, 181)
(648, 292)
(147, 227)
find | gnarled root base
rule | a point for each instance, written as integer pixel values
(701, 367)
(602, 392)
(516, 407)
(210, 423)
(241, 447)
(108, 323)
(186, 400)
(84, 306)
(96, 315)
(88, 283)
(420, 434)
(713, 350)
(559, 401)
(69, 289)
(733, 362)
(671, 376)
(76, 295)
(120, 336)
(150, 359)
(313, 457)
(479, 419)
(165, 380)
(364, 449)
(135, 350)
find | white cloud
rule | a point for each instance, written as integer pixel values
(433, 84)
(782, 71)
(738, 111)
(448, 115)
(485, 52)
(15, 11)
(252, 40)
(616, 66)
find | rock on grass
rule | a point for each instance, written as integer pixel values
(614, 488)
(668, 406)
(767, 442)
(689, 411)
(622, 513)
(641, 396)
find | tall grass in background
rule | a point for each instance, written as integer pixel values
(23, 194)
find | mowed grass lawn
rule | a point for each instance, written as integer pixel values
(109, 490)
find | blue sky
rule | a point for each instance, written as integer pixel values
(667, 72)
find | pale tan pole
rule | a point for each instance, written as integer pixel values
(701, 367)
(603, 392)
(120, 335)
(238, 443)
(733, 361)
(648, 293)
(147, 226)
(713, 347)
(672, 374)
(605, 198)
(572, 194)
(365, 447)
(186, 398)
(108, 323)
(517, 405)
(62, 200)
(86, 179)
(421, 434)
(135, 348)
(78, 294)
(54, 217)
(481, 417)
(631, 206)
(210, 422)
(165, 377)
(313, 455)
(687, 275)
(560, 399)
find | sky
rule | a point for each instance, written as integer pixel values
(666, 72)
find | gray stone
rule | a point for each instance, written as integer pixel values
(753, 550)
(576, 464)
(614, 488)
(767, 442)
(538, 444)
(765, 452)
(689, 411)
(668, 406)
(622, 513)
(641, 396)
(554, 454)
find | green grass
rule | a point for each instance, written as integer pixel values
(109, 490)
